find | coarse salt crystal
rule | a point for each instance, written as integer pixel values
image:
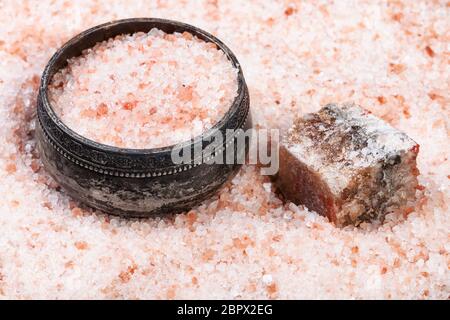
(267, 279)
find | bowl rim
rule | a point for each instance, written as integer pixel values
(50, 71)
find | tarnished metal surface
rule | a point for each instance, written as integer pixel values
(132, 182)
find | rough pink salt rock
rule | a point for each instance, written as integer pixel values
(145, 90)
(348, 165)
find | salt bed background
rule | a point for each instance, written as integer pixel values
(391, 57)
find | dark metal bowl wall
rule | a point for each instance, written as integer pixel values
(132, 182)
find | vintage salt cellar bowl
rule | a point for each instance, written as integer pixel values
(136, 182)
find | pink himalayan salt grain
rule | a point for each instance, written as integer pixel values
(81, 245)
(145, 90)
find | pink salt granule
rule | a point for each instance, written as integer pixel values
(145, 90)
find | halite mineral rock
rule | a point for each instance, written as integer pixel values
(348, 165)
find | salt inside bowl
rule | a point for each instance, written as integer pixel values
(145, 90)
